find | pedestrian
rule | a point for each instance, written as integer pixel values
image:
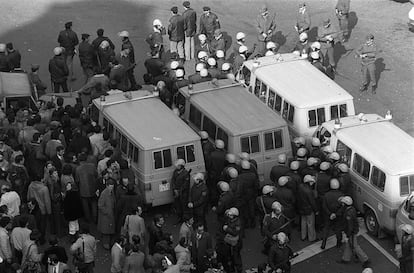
(13, 57)
(134, 262)
(86, 56)
(201, 244)
(72, 205)
(218, 160)
(181, 186)
(367, 53)
(225, 202)
(406, 252)
(332, 214)
(4, 65)
(265, 26)
(106, 213)
(84, 251)
(209, 22)
(134, 225)
(190, 29)
(105, 56)
(327, 35)
(286, 197)
(316, 61)
(316, 144)
(307, 208)
(155, 39)
(351, 228)
(293, 177)
(186, 229)
(19, 235)
(59, 71)
(176, 33)
(280, 254)
(183, 256)
(198, 199)
(55, 192)
(218, 43)
(6, 253)
(54, 265)
(233, 244)
(118, 254)
(55, 249)
(303, 20)
(342, 13)
(10, 199)
(128, 204)
(38, 86)
(156, 232)
(31, 254)
(98, 40)
(68, 39)
(128, 48)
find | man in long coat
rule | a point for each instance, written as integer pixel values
(106, 213)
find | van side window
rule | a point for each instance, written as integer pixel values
(162, 159)
(105, 124)
(186, 153)
(195, 116)
(316, 117)
(257, 88)
(209, 127)
(110, 129)
(344, 151)
(124, 144)
(135, 155)
(273, 140)
(133, 152)
(271, 100)
(338, 111)
(288, 111)
(250, 144)
(263, 91)
(378, 178)
(361, 166)
(406, 185)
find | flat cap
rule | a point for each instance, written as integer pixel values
(174, 9)
(68, 24)
(85, 35)
(186, 4)
(206, 8)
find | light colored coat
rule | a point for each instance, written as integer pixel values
(183, 257)
(106, 215)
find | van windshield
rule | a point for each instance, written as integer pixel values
(406, 184)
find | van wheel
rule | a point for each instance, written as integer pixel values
(371, 222)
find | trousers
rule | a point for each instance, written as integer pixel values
(307, 227)
(352, 244)
(327, 52)
(90, 208)
(189, 48)
(58, 85)
(177, 47)
(343, 25)
(368, 74)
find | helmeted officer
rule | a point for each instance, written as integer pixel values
(212, 68)
(280, 169)
(203, 45)
(307, 208)
(298, 142)
(407, 248)
(302, 47)
(231, 162)
(198, 200)
(315, 150)
(280, 254)
(264, 203)
(331, 213)
(367, 53)
(181, 187)
(232, 241)
(286, 197)
(249, 184)
(207, 148)
(323, 180)
(218, 162)
(273, 224)
(240, 59)
(253, 163)
(225, 202)
(344, 178)
(301, 157)
(312, 167)
(294, 176)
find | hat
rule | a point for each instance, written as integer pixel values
(54, 124)
(283, 180)
(179, 73)
(294, 165)
(206, 8)
(263, 9)
(347, 200)
(233, 173)
(199, 67)
(123, 33)
(186, 4)
(211, 61)
(157, 22)
(324, 166)
(370, 36)
(315, 141)
(242, 49)
(301, 152)
(267, 189)
(174, 64)
(312, 161)
(326, 21)
(179, 162)
(203, 72)
(104, 44)
(219, 143)
(202, 37)
(231, 158)
(245, 165)
(85, 35)
(240, 35)
(217, 32)
(225, 66)
(220, 53)
(202, 54)
(204, 135)
(68, 24)
(57, 50)
(174, 9)
(35, 67)
(281, 158)
(309, 178)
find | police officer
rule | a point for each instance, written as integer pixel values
(207, 148)
(58, 71)
(273, 224)
(298, 142)
(225, 202)
(203, 45)
(220, 58)
(315, 150)
(181, 187)
(265, 26)
(199, 77)
(218, 162)
(226, 71)
(307, 208)
(280, 254)
(303, 20)
(323, 179)
(198, 199)
(342, 13)
(232, 241)
(302, 47)
(367, 53)
(334, 158)
(264, 203)
(240, 59)
(86, 56)
(331, 213)
(316, 61)
(344, 178)
(280, 169)
(212, 68)
(68, 39)
(253, 163)
(126, 44)
(294, 176)
(407, 248)
(326, 151)
(286, 197)
(249, 184)
(312, 167)
(209, 22)
(230, 163)
(327, 33)
(351, 228)
(271, 48)
(301, 157)
(155, 39)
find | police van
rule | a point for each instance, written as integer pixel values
(227, 112)
(380, 156)
(152, 137)
(297, 91)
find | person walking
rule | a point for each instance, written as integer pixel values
(176, 33)
(209, 22)
(59, 71)
(265, 26)
(405, 253)
(342, 13)
(129, 48)
(68, 39)
(367, 53)
(86, 56)
(327, 35)
(190, 29)
(303, 20)
(84, 251)
(106, 213)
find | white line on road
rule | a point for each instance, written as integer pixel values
(380, 249)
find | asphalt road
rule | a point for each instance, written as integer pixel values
(33, 26)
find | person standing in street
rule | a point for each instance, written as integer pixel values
(181, 185)
(198, 199)
(84, 249)
(176, 33)
(58, 71)
(68, 39)
(155, 39)
(303, 20)
(129, 48)
(406, 253)
(209, 22)
(190, 29)
(342, 13)
(265, 26)
(327, 34)
(13, 57)
(367, 53)
(86, 56)
(106, 213)
(307, 208)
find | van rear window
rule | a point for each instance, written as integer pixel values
(186, 153)
(406, 185)
(162, 159)
(316, 117)
(250, 144)
(273, 140)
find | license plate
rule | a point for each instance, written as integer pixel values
(164, 187)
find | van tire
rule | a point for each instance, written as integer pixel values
(371, 223)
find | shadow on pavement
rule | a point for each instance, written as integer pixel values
(379, 68)
(352, 22)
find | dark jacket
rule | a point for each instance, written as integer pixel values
(155, 66)
(59, 251)
(199, 249)
(68, 39)
(99, 40)
(330, 202)
(156, 234)
(176, 28)
(208, 24)
(351, 226)
(218, 162)
(249, 184)
(225, 202)
(4, 65)
(277, 171)
(181, 183)
(279, 257)
(72, 206)
(306, 200)
(13, 59)
(190, 22)
(322, 183)
(87, 55)
(58, 69)
(86, 177)
(287, 199)
(199, 198)
(128, 45)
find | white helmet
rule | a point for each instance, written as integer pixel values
(299, 140)
(233, 173)
(316, 142)
(283, 180)
(368, 270)
(203, 72)
(225, 67)
(245, 165)
(220, 53)
(334, 184)
(334, 156)
(343, 167)
(244, 156)
(314, 55)
(198, 177)
(316, 45)
(57, 50)
(231, 158)
(294, 165)
(179, 73)
(232, 211)
(407, 228)
(303, 36)
(199, 67)
(179, 162)
(157, 22)
(270, 45)
(327, 149)
(309, 178)
(123, 33)
(281, 158)
(301, 152)
(240, 35)
(202, 37)
(2, 47)
(211, 61)
(104, 44)
(219, 144)
(269, 53)
(174, 64)
(324, 166)
(276, 206)
(282, 238)
(347, 200)
(267, 189)
(202, 54)
(296, 53)
(204, 135)
(224, 186)
(243, 49)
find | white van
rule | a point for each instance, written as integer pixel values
(297, 91)
(152, 137)
(381, 160)
(227, 112)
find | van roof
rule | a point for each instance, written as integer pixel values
(148, 122)
(232, 108)
(379, 141)
(298, 81)
(13, 84)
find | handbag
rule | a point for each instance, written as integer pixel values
(29, 265)
(79, 258)
(231, 240)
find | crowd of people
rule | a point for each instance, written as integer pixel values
(61, 174)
